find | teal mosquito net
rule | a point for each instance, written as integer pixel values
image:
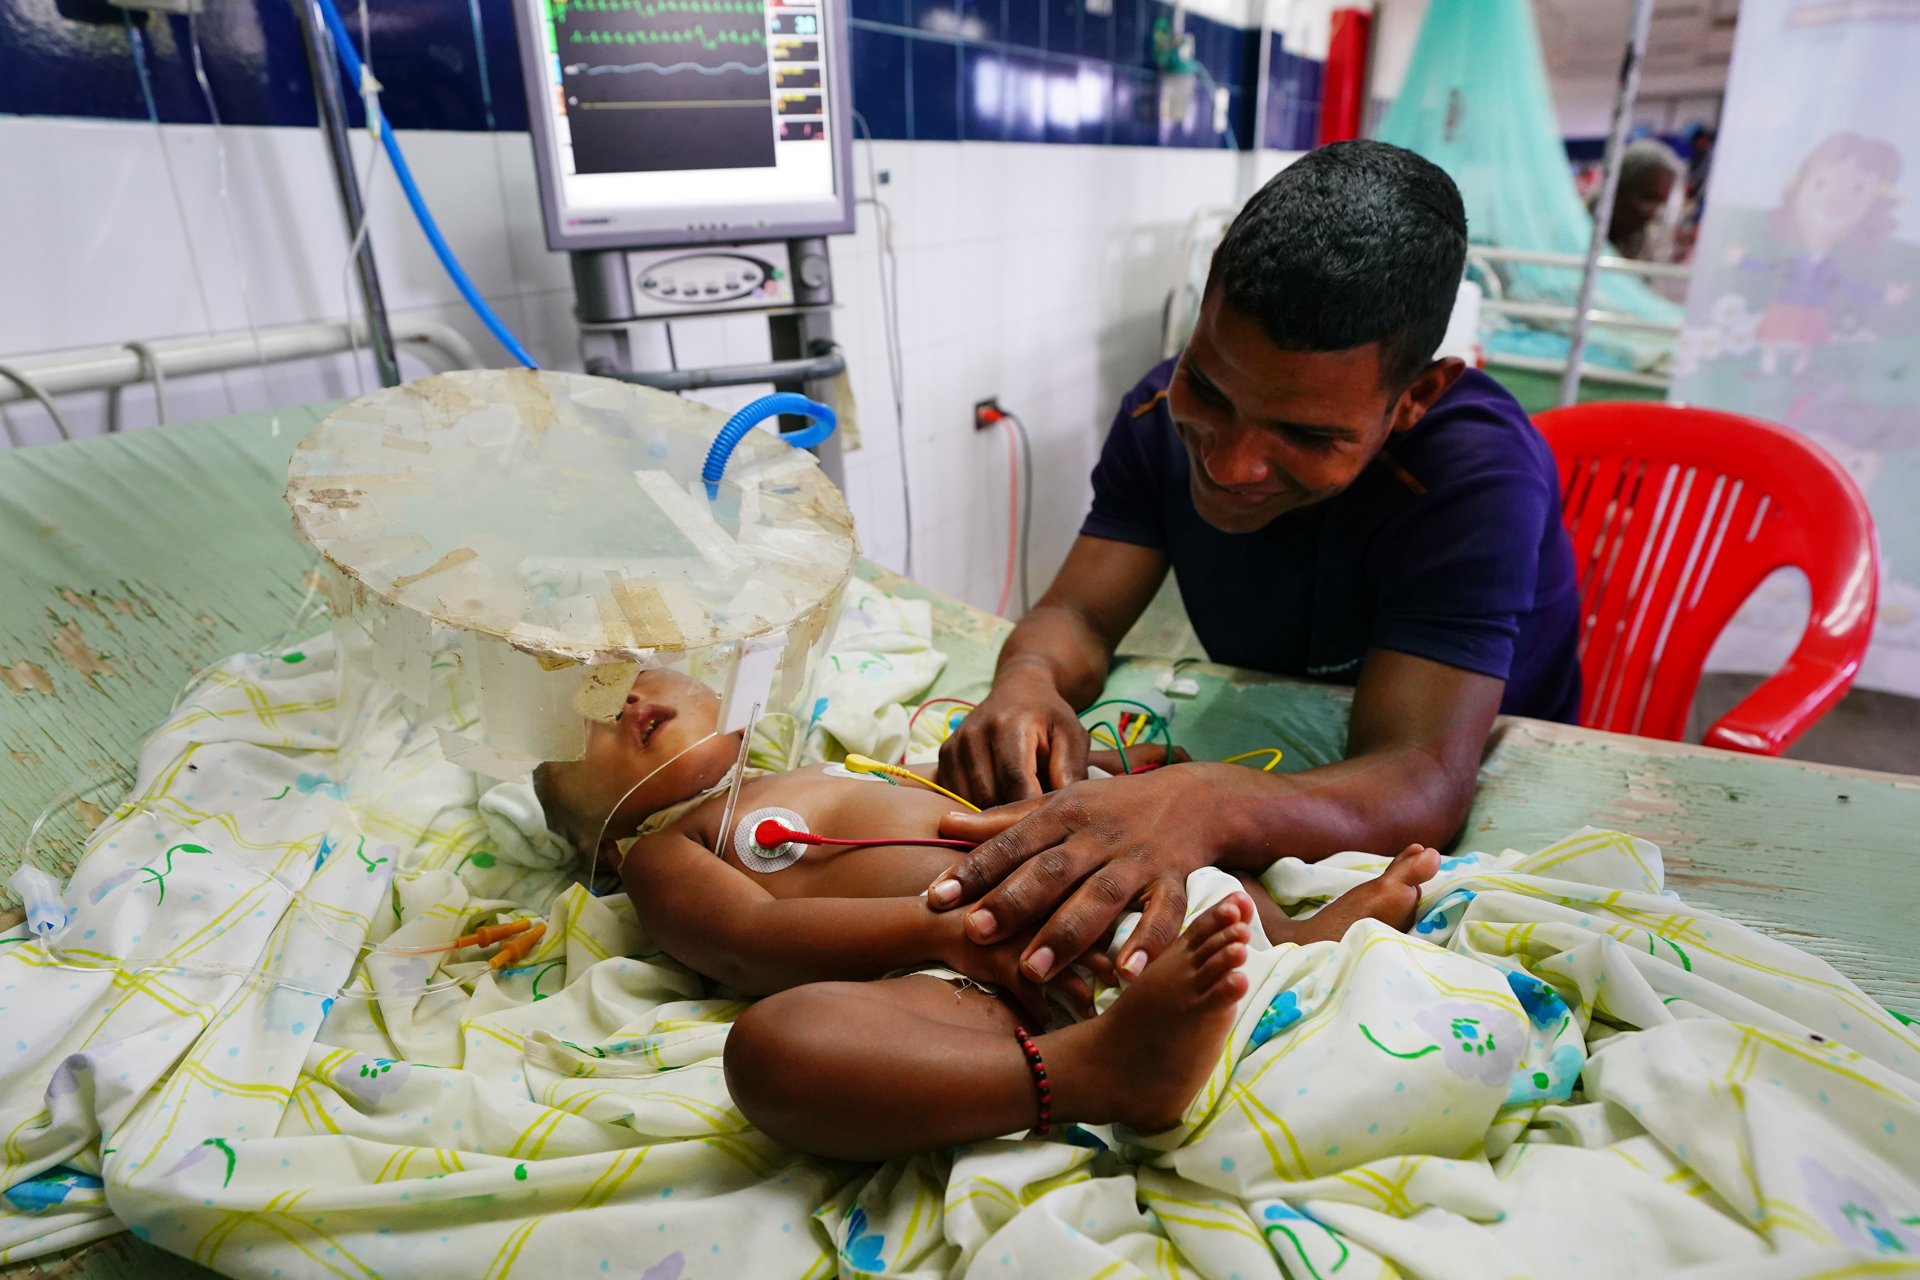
(1475, 102)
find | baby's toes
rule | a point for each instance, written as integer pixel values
(1222, 962)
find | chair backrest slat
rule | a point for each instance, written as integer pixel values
(1676, 515)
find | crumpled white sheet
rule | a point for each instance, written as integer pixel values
(1562, 1071)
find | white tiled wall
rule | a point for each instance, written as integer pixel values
(1032, 273)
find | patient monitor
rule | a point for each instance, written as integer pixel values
(505, 550)
(685, 122)
(693, 157)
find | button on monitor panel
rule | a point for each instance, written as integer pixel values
(718, 278)
(684, 121)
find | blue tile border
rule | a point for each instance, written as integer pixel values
(880, 71)
(445, 64)
(934, 90)
(925, 70)
(1048, 71)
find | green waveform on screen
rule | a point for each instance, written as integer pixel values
(695, 35)
(661, 8)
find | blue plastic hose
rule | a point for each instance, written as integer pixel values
(350, 63)
(757, 412)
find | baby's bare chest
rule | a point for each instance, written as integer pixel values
(838, 808)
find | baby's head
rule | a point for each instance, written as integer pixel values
(660, 750)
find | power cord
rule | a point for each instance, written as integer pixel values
(1020, 478)
(1013, 510)
(1026, 507)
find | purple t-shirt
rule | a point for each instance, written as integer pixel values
(1448, 546)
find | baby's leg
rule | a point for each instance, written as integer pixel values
(1392, 898)
(868, 1070)
(872, 1070)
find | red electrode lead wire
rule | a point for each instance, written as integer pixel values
(772, 833)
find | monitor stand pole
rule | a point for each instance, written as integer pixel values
(805, 357)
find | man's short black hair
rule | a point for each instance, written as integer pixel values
(1354, 243)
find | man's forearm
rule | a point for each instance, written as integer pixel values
(1378, 803)
(1056, 643)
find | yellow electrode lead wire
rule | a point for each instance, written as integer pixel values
(1263, 751)
(863, 764)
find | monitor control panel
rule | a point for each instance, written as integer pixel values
(710, 278)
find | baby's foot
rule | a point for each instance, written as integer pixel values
(1142, 1061)
(1392, 898)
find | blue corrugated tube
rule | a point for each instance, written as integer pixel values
(751, 416)
(350, 63)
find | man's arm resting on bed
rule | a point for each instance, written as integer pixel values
(1414, 741)
(712, 918)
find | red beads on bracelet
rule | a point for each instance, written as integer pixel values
(1039, 1068)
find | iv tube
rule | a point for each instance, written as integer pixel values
(593, 857)
(351, 64)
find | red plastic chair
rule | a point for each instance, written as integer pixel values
(1677, 515)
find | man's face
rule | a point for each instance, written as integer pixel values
(1271, 431)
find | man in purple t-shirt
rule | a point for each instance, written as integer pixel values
(1335, 503)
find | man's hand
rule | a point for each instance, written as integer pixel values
(1095, 850)
(1069, 865)
(998, 964)
(1023, 739)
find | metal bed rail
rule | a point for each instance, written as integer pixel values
(1574, 261)
(44, 375)
(1600, 373)
(1561, 311)
(1485, 257)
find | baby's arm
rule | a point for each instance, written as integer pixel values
(712, 918)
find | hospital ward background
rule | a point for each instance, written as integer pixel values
(393, 391)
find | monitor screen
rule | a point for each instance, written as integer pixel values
(682, 121)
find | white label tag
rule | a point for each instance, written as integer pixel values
(751, 683)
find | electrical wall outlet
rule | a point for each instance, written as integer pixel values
(987, 414)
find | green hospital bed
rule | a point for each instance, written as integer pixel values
(131, 562)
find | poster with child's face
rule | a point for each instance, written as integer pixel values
(1802, 306)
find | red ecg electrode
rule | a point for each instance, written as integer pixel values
(773, 833)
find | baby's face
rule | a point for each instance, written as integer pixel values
(666, 713)
(664, 722)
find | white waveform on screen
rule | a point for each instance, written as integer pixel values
(698, 68)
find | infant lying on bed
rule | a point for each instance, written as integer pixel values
(853, 1054)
